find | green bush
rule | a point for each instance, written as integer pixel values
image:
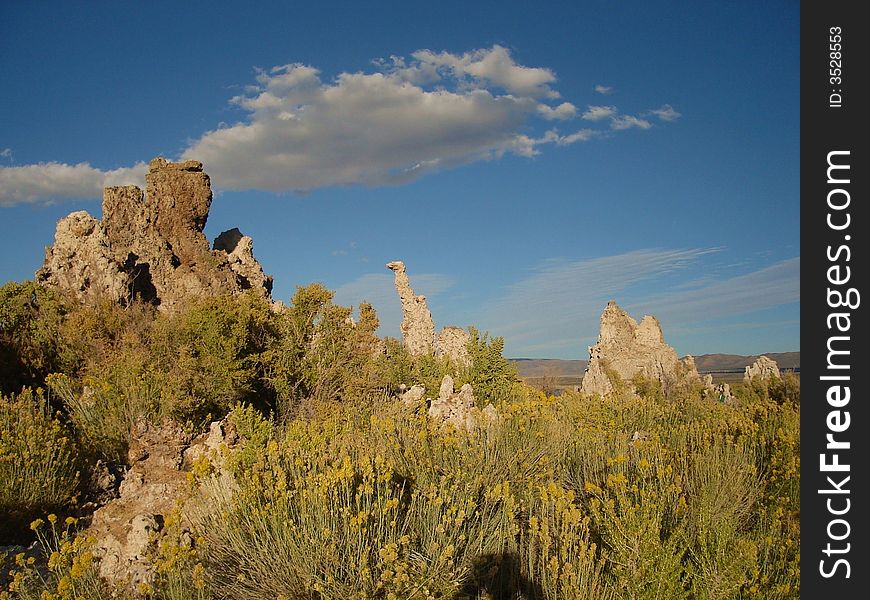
(491, 375)
(30, 322)
(210, 351)
(38, 461)
(320, 356)
(342, 528)
(66, 569)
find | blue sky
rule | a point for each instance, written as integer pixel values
(527, 163)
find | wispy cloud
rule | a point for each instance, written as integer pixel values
(379, 290)
(405, 119)
(6, 153)
(627, 122)
(557, 306)
(597, 113)
(555, 310)
(666, 113)
(605, 90)
(774, 285)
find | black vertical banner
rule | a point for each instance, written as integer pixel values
(835, 377)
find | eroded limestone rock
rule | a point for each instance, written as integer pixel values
(452, 343)
(126, 528)
(240, 253)
(627, 349)
(418, 328)
(150, 245)
(761, 370)
(459, 408)
(413, 396)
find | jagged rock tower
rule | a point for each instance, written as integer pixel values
(761, 370)
(627, 349)
(418, 329)
(150, 245)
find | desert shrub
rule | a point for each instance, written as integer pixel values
(320, 355)
(721, 488)
(254, 431)
(308, 526)
(211, 354)
(38, 461)
(558, 558)
(93, 334)
(30, 323)
(709, 491)
(104, 409)
(179, 572)
(635, 512)
(785, 389)
(491, 374)
(399, 367)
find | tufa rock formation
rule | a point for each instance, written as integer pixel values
(126, 528)
(452, 342)
(418, 329)
(720, 392)
(150, 245)
(413, 396)
(761, 370)
(459, 408)
(628, 348)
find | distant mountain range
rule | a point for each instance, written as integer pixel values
(706, 363)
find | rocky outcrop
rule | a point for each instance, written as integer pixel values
(240, 254)
(762, 369)
(459, 408)
(720, 392)
(418, 329)
(150, 245)
(627, 348)
(127, 527)
(413, 396)
(452, 343)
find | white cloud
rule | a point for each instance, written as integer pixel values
(378, 128)
(406, 119)
(45, 182)
(666, 113)
(6, 153)
(627, 122)
(566, 110)
(596, 113)
(494, 66)
(583, 135)
(379, 290)
(605, 90)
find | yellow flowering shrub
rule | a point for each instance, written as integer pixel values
(68, 570)
(38, 461)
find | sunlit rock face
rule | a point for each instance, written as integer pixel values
(762, 369)
(418, 328)
(627, 348)
(150, 245)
